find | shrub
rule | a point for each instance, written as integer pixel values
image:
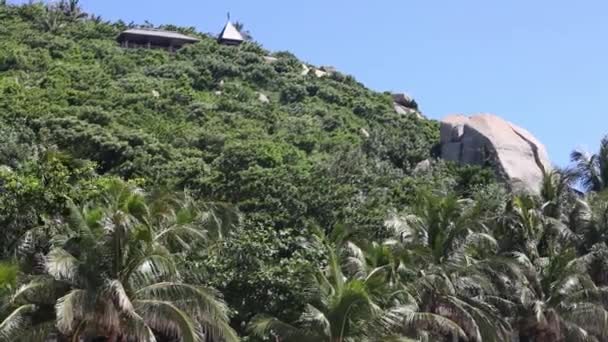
(293, 93)
(330, 95)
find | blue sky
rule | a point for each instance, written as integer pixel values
(542, 64)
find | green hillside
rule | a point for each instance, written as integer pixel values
(148, 194)
(155, 116)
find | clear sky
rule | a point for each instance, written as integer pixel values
(542, 64)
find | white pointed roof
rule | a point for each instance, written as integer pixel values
(231, 33)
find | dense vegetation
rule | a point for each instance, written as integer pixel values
(146, 195)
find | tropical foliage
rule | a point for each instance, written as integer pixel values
(152, 196)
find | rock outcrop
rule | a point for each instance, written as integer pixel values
(263, 98)
(404, 100)
(405, 105)
(270, 59)
(517, 156)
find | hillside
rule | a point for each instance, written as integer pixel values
(324, 156)
(194, 120)
(153, 115)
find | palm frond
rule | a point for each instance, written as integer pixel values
(591, 317)
(264, 326)
(197, 301)
(166, 317)
(62, 265)
(354, 262)
(39, 332)
(314, 319)
(69, 310)
(427, 321)
(15, 323)
(39, 289)
(117, 291)
(149, 269)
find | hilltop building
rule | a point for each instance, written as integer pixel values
(230, 35)
(154, 39)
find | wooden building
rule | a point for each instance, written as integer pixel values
(154, 39)
(230, 35)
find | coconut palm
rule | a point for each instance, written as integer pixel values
(589, 217)
(71, 9)
(432, 230)
(560, 302)
(445, 239)
(344, 311)
(556, 191)
(53, 19)
(114, 273)
(592, 169)
(525, 228)
(356, 303)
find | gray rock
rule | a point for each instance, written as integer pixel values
(263, 98)
(270, 59)
(365, 133)
(329, 69)
(517, 156)
(399, 109)
(405, 100)
(423, 167)
(320, 73)
(305, 69)
(402, 110)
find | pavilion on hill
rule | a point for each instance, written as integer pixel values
(230, 35)
(154, 39)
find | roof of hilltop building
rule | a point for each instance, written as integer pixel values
(157, 37)
(230, 35)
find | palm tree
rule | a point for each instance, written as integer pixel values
(436, 230)
(556, 191)
(589, 219)
(72, 9)
(560, 302)
(115, 274)
(386, 306)
(345, 309)
(445, 240)
(553, 295)
(592, 169)
(524, 228)
(53, 19)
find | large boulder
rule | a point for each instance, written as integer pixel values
(404, 100)
(516, 155)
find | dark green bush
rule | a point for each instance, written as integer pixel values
(293, 93)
